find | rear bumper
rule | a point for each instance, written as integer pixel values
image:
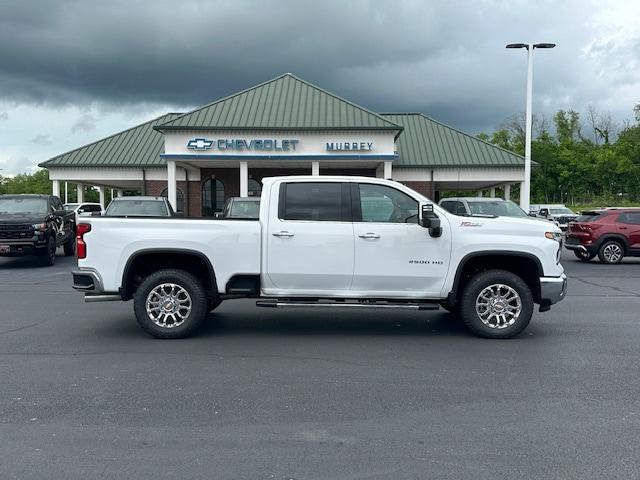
(552, 290)
(577, 247)
(87, 281)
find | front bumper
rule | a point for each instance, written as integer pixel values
(552, 290)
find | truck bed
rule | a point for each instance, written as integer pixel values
(232, 246)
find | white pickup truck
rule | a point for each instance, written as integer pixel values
(330, 242)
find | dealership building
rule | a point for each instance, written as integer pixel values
(285, 126)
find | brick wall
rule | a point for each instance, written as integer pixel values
(424, 188)
(190, 190)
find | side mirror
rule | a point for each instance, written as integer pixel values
(429, 220)
(544, 212)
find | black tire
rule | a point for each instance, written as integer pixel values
(48, 257)
(583, 256)
(70, 246)
(191, 321)
(611, 252)
(484, 280)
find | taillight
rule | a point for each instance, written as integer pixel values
(81, 247)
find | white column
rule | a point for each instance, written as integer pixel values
(507, 191)
(120, 192)
(523, 198)
(388, 170)
(171, 184)
(315, 169)
(492, 192)
(244, 179)
(479, 193)
(66, 192)
(56, 188)
(102, 192)
(80, 192)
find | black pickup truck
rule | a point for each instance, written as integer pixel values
(35, 225)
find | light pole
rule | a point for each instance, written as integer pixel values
(525, 190)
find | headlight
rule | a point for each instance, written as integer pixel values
(553, 236)
(39, 226)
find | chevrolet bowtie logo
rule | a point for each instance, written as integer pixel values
(199, 144)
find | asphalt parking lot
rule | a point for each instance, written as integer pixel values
(303, 394)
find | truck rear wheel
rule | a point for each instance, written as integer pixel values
(496, 304)
(170, 304)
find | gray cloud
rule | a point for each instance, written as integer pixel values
(4, 116)
(444, 58)
(41, 140)
(86, 123)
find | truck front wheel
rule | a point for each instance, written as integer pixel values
(170, 304)
(496, 304)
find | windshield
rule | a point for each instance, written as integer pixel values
(561, 211)
(499, 208)
(23, 205)
(245, 209)
(144, 208)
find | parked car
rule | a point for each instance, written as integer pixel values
(495, 207)
(610, 233)
(241, 207)
(86, 208)
(35, 225)
(559, 214)
(139, 207)
(321, 244)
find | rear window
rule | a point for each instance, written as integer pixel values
(146, 208)
(586, 217)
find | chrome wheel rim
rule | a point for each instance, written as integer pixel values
(498, 306)
(168, 305)
(612, 253)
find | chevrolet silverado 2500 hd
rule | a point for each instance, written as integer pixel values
(326, 241)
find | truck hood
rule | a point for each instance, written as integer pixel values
(20, 218)
(517, 225)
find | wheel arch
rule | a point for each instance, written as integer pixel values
(525, 265)
(621, 239)
(147, 261)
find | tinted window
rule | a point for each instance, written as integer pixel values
(631, 218)
(499, 208)
(449, 206)
(244, 209)
(380, 203)
(92, 208)
(23, 205)
(152, 208)
(588, 217)
(319, 202)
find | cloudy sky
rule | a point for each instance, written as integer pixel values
(75, 71)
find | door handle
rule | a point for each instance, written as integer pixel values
(369, 235)
(283, 234)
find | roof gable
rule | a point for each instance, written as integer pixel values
(283, 103)
(426, 142)
(137, 146)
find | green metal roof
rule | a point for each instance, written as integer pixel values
(426, 142)
(284, 103)
(137, 146)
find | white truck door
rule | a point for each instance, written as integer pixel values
(394, 256)
(310, 239)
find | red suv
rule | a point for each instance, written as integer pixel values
(611, 234)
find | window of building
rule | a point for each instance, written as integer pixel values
(318, 202)
(379, 203)
(255, 188)
(179, 198)
(212, 197)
